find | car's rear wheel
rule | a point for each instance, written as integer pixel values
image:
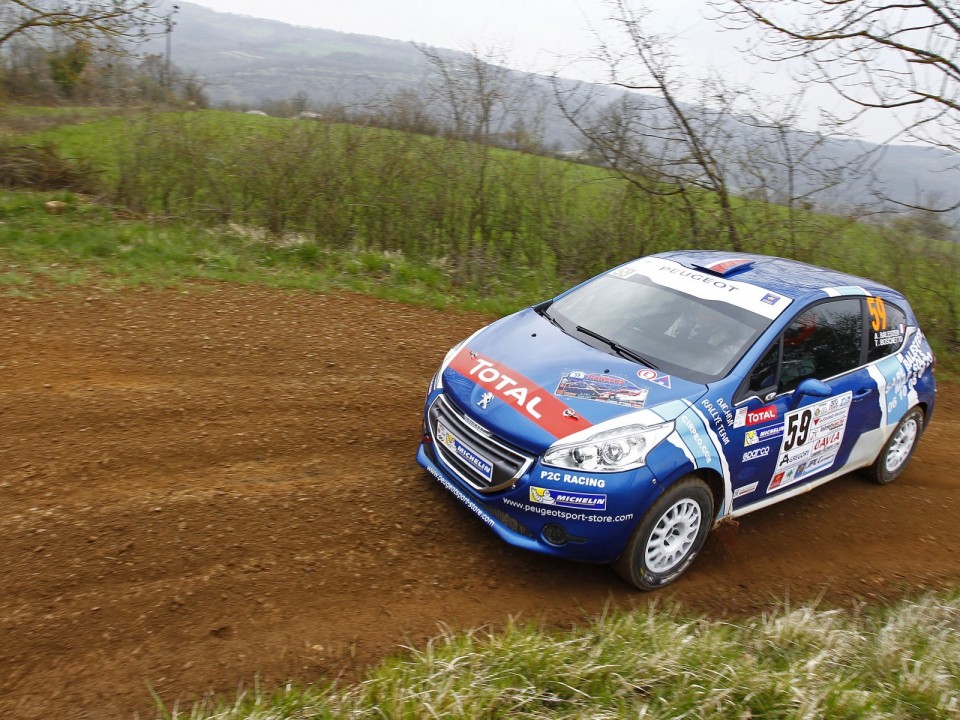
(899, 448)
(669, 536)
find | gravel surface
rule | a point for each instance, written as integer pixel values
(204, 489)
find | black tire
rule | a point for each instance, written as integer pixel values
(898, 449)
(669, 536)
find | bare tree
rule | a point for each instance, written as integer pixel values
(893, 55)
(98, 22)
(479, 103)
(792, 174)
(655, 140)
(475, 94)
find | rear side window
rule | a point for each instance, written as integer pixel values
(887, 328)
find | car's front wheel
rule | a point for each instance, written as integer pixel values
(669, 536)
(899, 448)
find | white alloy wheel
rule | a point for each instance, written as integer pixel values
(669, 535)
(673, 536)
(901, 444)
(899, 447)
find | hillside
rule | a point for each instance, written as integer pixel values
(249, 61)
(246, 60)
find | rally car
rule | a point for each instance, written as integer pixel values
(622, 420)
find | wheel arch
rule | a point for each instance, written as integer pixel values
(712, 478)
(714, 481)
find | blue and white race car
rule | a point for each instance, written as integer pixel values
(620, 421)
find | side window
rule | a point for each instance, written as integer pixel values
(763, 378)
(887, 328)
(821, 342)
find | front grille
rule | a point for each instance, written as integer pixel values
(480, 459)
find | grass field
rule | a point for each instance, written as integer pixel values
(898, 662)
(461, 219)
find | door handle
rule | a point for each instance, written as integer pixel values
(862, 393)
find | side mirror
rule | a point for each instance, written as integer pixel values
(813, 388)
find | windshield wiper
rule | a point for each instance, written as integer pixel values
(541, 310)
(617, 347)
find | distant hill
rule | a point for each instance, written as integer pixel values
(248, 62)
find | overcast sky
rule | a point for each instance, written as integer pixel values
(536, 35)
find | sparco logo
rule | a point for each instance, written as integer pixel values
(754, 454)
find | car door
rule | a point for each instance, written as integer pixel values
(793, 432)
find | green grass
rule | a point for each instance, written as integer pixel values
(91, 243)
(110, 246)
(492, 223)
(897, 662)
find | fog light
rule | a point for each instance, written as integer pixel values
(554, 534)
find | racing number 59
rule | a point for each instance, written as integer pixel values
(798, 429)
(878, 313)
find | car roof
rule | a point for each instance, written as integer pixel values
(792, 278)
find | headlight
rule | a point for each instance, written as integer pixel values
(610, 451)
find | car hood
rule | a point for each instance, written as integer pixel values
(532, 384)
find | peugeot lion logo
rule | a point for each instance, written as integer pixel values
(485, 400)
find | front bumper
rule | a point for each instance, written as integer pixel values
(557, 512)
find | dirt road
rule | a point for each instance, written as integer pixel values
(200, 488)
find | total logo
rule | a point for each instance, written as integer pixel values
(748, 418)
(508, 386)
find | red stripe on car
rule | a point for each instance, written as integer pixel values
(529, 399)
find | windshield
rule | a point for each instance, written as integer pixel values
(695, 339)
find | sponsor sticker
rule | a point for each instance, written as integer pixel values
(744, 490)
(602, 387)
(812, 437)
(564, 498)
(720, 417)
(468, 455)
(582, 480)
(525, 396)
(749, 418)
(655, 377)
(461, 497)
(758, 453)
(707, 286)
(754, 437)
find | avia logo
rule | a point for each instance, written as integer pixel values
(485, 400)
